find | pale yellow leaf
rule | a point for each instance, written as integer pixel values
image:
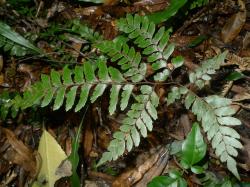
(52, 155)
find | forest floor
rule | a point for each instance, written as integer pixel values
(199, 32)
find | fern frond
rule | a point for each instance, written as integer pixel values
(154, 43)
(139, 120)
(207, 68)
(215, 114)
(127, 58)
(85, 32)
(64, 87)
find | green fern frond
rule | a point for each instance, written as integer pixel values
(154, 43)
(138, 122)
(127, 58)
(215, 114)
(207, 68)
(85, 32)
(65, 86)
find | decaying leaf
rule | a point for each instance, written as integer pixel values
(52, 156)
(150, 166)
(16, 152)
(234, 24)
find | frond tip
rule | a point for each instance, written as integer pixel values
(155, 44)
(139, 120)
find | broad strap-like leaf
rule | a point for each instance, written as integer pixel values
(13, 36)
(170, 11)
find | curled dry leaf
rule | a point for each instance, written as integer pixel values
(245, 156)
(16, 152)
(234, 24)
(156, 170)
(88, 138)
(246, 41)
(151, 165)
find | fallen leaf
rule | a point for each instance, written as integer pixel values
(234, 24)
(143, 169)
(52, 156)
(14, 151)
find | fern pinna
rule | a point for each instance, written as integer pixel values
(126, 77)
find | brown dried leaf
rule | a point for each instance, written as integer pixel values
(88, 139)
(246, 41)
(16, 152)
(148, 167)
(234, 24)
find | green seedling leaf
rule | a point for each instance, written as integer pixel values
(52, 156)
(234, 76)
(197, 41)
(74, 157)
(163, 181)
(197, 169)
(173, 180)
(193, 148)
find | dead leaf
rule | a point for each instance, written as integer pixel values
(156, 170)
(52, 156)
(146, 162)
(234, 24)
(64, 169)
(16, 152)
(88, 139)
(246, 41)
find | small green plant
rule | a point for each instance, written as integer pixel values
(193, 150)
(174, 179)
(122, 68)
(190, 152)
